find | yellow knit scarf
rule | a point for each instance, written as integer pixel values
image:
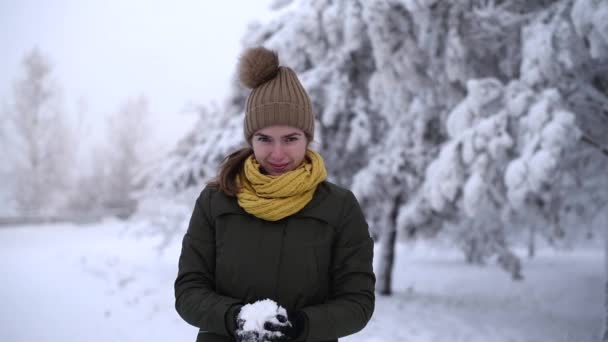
(272, 198)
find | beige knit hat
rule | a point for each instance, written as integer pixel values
(277, 97)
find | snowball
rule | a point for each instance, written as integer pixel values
(256, 314)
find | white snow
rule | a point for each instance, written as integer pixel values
(260, 312)
(445, 177)
(100, 283)
(474, 195)
(539, 115)
(360, 127)
(440, 298)
(518, 98)
(482, 91)
(515, 180)
(589, 20)
(561, 128)
(537, 63)
(541, 167)
(460, 119)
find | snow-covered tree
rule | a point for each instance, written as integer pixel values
(486, 39)
(505, 148)
(471, 118)
(196, 157)
(180, 177)
(37, 140)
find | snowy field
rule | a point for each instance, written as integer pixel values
(102, 282)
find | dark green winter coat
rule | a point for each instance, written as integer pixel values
(318, 260)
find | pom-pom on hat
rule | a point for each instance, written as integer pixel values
(277, 97)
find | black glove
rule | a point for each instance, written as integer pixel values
(290, 331)
(231, 319)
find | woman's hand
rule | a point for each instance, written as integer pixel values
(265, 321)
(290, 329)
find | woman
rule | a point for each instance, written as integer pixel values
(270, 233)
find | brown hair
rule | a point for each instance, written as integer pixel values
(231, 167)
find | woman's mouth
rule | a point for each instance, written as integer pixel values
(279, 167)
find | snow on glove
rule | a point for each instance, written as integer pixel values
(253, 319)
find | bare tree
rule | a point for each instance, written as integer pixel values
(124, 155)
(37, 139)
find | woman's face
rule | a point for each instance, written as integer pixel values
(279, 149)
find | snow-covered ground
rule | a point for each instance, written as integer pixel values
(103, 282)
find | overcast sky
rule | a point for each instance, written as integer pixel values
(173, 52)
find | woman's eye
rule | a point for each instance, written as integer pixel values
(291, 139)
(263, 139)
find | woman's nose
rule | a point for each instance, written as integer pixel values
(278, 151)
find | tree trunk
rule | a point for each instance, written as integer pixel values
(387, 250)
(387, 258)
(532, 241)
(605, 337)
(473, 250)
